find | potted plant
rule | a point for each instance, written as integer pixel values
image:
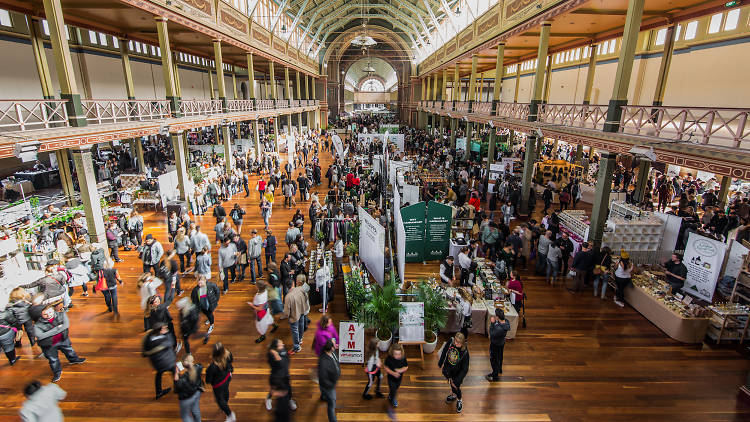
(356, 293)
(320, 237)
(381, 313)
(352, 249)
(435, 314)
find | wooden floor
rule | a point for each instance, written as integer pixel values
(580, 358)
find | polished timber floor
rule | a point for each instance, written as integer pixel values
(580, 358)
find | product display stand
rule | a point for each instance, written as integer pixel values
(730, 321)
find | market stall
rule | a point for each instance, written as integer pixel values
(680, 319)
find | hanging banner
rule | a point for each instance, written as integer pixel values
(737, 253)
(372, 245)
(339, 145)
(388, 127)
(460, 144)
(439, 218)
(413, 220)
(411, 322)
(411, 194)
(352, 347)
(398, 225)
(703, 259)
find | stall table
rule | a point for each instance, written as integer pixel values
(511, 315)
(478, 320)
(685, 330)
(26, 185)
(41, 179)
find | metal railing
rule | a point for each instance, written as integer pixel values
(116, 111)
(282, 103)
(576, 115)
(32, 114)
(199, 107)
(704, 125)
(462, 106)
(240, 105)
(294, 103)
(483, 108)
(264, 104)
(518, 111)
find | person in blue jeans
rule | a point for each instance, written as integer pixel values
(296, 306)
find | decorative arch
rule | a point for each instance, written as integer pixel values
(366, 78)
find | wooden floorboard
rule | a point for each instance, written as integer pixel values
(580, 359)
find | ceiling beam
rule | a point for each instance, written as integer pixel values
(278, 15)
(613, 12)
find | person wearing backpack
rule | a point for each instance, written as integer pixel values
(498, 330)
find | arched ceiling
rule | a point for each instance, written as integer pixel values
(356, 73)
(322, 20)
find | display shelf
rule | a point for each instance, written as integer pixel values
(731, 319)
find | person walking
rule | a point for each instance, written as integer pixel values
(270, 246)
(242, 259)
(111, 278)
(188, 386)
(583, 262)
(278, 360)
(41, 403)
(189, 318)
(372, 369)
(203, 264)
(295, 305)
(8, 334)
(150, 253)
(329, 372)
(326, 331)
(395, 366)
(498, 330)
(554, 255)
(623, 273)
(182, 248)
(237, 214)
(254, 253)
(338, 253)
(135, 228)
(112, 241)
(205, 296)
(219, 375)
(263, 317)
(51, 332)
(454, 362)
(228, 263)
(159, 348)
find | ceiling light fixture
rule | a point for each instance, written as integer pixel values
(363, 40)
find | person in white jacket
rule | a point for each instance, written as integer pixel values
(254, 254)
(323, 283)
(41, 403)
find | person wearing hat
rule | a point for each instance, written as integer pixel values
(498, 329)
(151, 253)
(623, 271)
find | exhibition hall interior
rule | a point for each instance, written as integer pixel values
(375, 210)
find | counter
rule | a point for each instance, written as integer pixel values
(682, 329)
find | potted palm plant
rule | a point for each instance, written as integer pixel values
(381, 313)
(435, 314)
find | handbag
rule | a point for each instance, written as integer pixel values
(243, 258)
(600, 269)
(101, 282)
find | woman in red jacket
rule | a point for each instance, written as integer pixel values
(474, 201)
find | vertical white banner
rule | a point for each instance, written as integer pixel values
(398, 225)
(372, 245)
(703, 259)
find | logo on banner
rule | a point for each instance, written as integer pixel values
(352, 347)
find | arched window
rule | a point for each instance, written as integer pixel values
(372, 85)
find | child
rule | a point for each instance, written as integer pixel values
(395, 366)
(372, 369)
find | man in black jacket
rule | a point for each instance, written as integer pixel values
(499, 328)
(51, 331)
(205, 296)
(158, 346)
(566, 249)
(583, 263)
(287, 273)
(329, 372)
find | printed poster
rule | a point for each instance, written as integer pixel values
(411, 322)
(413, 218)
(703, 259)
(352, 347)
(438, 233)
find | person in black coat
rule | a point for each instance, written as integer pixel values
(8, 330)
(278, 360)
(499, 328)
(219, 212)
(51, 331)
(205, 296)
(219, 375)
(159, 348)
(188, 388)
(158, 313)
(190, 317)
(329, 372)
(287, 271)
(454, 362)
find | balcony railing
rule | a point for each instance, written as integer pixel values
(518, 111)
(32, 114)
(576, 115)
(714, 126)
(200, 107)
(240, 105)
(294, 103)
(483, 108)
(462, 106)
(99, 112)
(264, 104)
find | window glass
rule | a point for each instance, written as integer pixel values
(677, 32)
(115, 42)
(92, 37)
(102, 39)
(690, 30)
(715, 23)
(5, 18)
(661, 35)
(733, 16)
(612, 44)
(578, 53)
(45, 27)
(137, 47)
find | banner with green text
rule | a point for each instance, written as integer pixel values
(413, 221)
(439, 218)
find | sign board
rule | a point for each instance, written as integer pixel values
(703, 259)
(413, 220)
(352, 347)
(372, 245)
(737, 253)
(476, 146)
(411, 322)
(388, 127)
(437, 235)
(398, 225)
(460, 144)
(411, 193)
(339, 145)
